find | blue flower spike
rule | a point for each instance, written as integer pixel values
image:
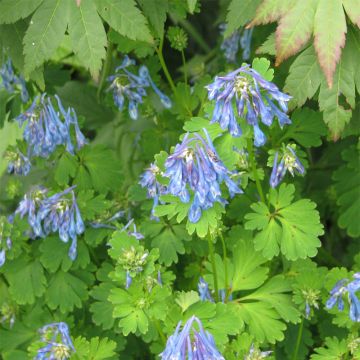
(131, 88)
(58, 342)
(192, 342)
(254, 99)
(289, 162)
(19, 164)
(350, 288)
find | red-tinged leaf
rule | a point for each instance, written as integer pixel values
(271, 10)
(295, 29)
(329, 33)
(352, 8)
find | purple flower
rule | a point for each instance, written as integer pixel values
(191, 343)
(47, 128)
(196, 166)
(19, 163)
(253, 98)
(128, 86)
(57, 213)
(289, 162)
(58, 346)
(154, 188)
(11, 82)
(350, 288)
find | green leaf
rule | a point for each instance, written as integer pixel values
(248, 272)
(15, 337)
(91, 205)
(262, 66)
(66, 291)
(263, 321)
(268, 47)
(45, 33)
(347, 186)
(191, 5)
(239, 13)
(328, 44)
(88, 35)
(304, 77)
(102, 309)
(334, 349)
(352, 8)
(295, 29)
(155, 10)
(66, 168)
(186, 299)
(307, 127)
(124, 17)
(292, 227)
(26, 280)
(14, 10)
(95, 349)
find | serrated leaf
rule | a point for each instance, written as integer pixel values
(26, 279)
(87, 35)
(155, 10)
(95, 349)
(263, 321)
(124, 17)
(271, 10)
(45, 33)
(14, 10)
(239, 13)
(306, 128)
(66, 291)
(304, 76)
(334, 349)
(329, 35)
(66, 168)
(294, 29)
(102, 309)
(347, 186)
(292, 227)
(248, 272)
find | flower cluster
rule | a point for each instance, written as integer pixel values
(230, 45)
(311, 297)
(57, 213)
(58, 346)
(183, 345)
(5, 239)
(195, 165)
(19, 163)
(127, 85)
(350, 288)
(256, 354)
(133, 262)
(10, 81)
(289, 162)
(47, 128)
(154, 188)
(205, 295)
(254, 99)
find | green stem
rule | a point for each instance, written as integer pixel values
(227, 290)
(106, 69)
(163, 65)
(298, 340)
(184, 66)
(213, 265)
(192, 31)
(250, 149)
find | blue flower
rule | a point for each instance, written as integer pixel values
(57, 213)
(256, 354)
(204, 291)
(253, 97)
(230, 45)
(190, 343)
(106, 223)
(11, 82)
(350, 288)
(58, 346)
(137, 235)
(154, 188)
(195, 165)
(46, 128)
(289, 162)
(245, 43)
(128, 86)
(19, 163)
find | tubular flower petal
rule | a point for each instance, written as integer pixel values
(254, 98)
